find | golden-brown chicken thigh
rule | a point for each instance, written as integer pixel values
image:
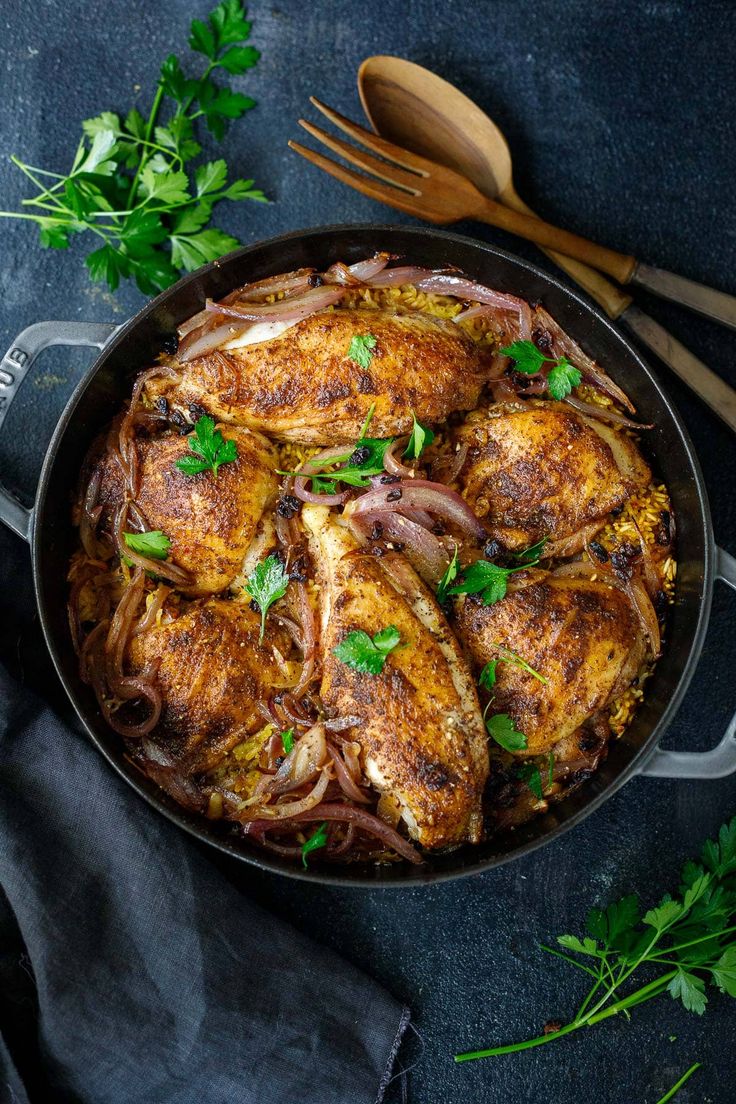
(421, 732)
(211, 672)
(210, 520)
(303, 386)
(540, 469)
(580, 634)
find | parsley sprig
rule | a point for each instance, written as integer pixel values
(500, 726)
(363, 460)
(685, 943)
(209, 449)
(154, 544)
(562, 376)
(128, 183)
(490, 580)
(421, 437)
(365, 653)
(266, 585)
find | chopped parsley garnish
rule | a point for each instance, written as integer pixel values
(501, 728)
(529, 773)
(531, 555)
(316, 840)
(681, 946)
(153, 544)
(490, 580)
(515, 660)
(363, 460)
(361, 349)
(421, 438)
(287, 740)
(209, 449)
(368, 654)
(561, 378)
(266, 585)
(449, 577)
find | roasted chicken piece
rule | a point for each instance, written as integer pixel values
(303, 386)
(210, 520)
(421, 732)
(540, 469)
(211, 671)
(580, 634)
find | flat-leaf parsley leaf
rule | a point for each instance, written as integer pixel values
(316, 840)
(562, 376)
(361, 349)
(210, 449)
(421, 438)
(153, 544)
(368, 654)
(266, 585)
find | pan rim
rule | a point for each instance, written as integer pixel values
(413, 877)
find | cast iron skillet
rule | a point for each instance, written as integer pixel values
(127, 349)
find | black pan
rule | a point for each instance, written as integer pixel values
(127, 349)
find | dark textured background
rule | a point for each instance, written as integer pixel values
(620, 120)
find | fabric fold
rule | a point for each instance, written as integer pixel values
(156, 980)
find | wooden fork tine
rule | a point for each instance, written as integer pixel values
(384, 193)
(392, 174)
(374, 142)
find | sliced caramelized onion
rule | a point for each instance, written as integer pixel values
(645, 612)
(425, 551)
(462, 288)
(289, 809)
(446, 469)
(293, 309)
(400, 276)
(348, 782)
(355, 274)
(603, 413)
(288, 283)
(391, 462)
(366, 822)
(207, 339)
(421, 494)
(300, 765)
(562, 343)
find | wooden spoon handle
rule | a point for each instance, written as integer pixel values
(618, 265)
(607, 295)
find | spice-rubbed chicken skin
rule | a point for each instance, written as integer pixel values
(421, 732)
(210, 520)
(581, 635)
(211, 673)
(540, 469)
(303, 386)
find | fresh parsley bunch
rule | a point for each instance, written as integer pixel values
(681, 946)
(130, 184)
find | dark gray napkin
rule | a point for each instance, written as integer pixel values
(147, 977)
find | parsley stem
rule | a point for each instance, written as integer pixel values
(568, 958)
(676, 1088)
(43, 192)
(647, 992)
(693, 942)
(148, 132)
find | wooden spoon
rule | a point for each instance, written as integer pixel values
(422, 112)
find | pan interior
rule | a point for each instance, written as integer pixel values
(667, 447)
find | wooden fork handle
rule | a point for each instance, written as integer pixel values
(618, 265)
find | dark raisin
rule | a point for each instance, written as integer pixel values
(288, 506)
(599, 551)
(398, 546)
(360, 456)
(279, 760)
(254, 606)
(492, 548)
(390, 479)
(162, 404)
(376, 531)
(197, 410)
(377, 550)
(315, 280)
(438, 529)
(395, 495)
(170, 345)
(298, 573)
(177, 418)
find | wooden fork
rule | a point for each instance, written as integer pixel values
(433, 192)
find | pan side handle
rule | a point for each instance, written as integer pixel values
(720, 761)
(14, 368)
